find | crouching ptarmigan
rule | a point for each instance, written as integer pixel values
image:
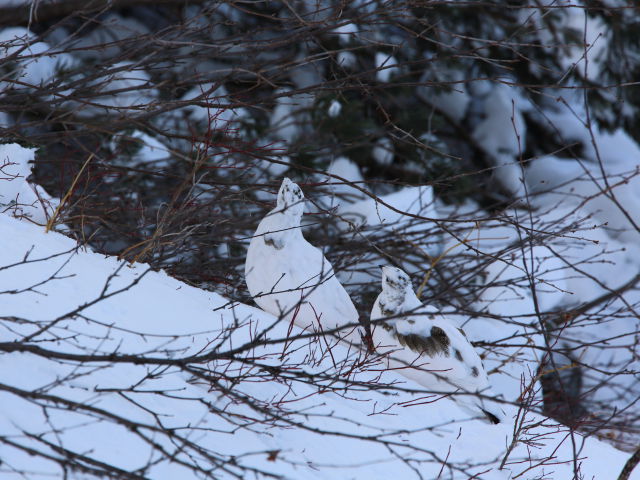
(289, 277)
(427, 348)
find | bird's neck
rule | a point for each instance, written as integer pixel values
(411, 301)
(398, 301)
(283, 226)
(391, 303)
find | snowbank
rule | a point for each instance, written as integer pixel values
(161, 318)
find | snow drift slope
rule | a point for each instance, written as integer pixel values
(160, 423)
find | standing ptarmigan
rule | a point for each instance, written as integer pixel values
(427, 348)
(289, 277)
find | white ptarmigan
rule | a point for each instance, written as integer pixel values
(427, 348)
(290, 278)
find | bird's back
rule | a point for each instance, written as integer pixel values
(425, 347)
(432, 351)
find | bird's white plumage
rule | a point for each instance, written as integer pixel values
(289, 277)
(424, 346)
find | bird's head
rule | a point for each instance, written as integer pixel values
(395, 280)
(290, 198)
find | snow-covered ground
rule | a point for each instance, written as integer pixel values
(162, 318)
(99, 357)
(110, 364)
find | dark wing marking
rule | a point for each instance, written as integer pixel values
(436, 344)
(273, 241)
(386, 326)
(441, 337)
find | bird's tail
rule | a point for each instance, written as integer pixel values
(481, 403)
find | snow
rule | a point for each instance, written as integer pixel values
(340, 192)
(5, 120)
(15, 168)
(502, 135)
(569, 121)
(510, 292)
(589, 37)
(346, 59)
(371, 218)
(586, 259)
(383, 151)
(124, 87)
(110, 34)
(171, 319)
(148, 149)
(214, 115)
(453, 102)
(346, 32)
(593, 199)
(406, 202)
(577, 182)
(386, 66)
(161, 317)
(283, 120)
(37, 63)
(613, 199)
(276, 170)
(19, 197)
(597, 196)
(334, 108)
(580, 263)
